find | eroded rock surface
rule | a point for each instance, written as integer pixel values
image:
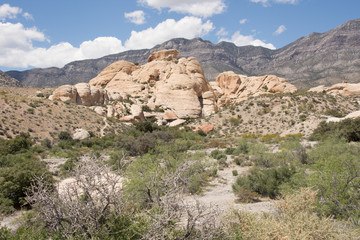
(231, 87)
(344, 89)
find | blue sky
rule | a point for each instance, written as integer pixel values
(46, 33)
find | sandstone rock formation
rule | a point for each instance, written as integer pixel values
(231, 87)
(344, 89)
(81, 93)
(177, 86)
(164, 82)
(163, 54)
(205, 128)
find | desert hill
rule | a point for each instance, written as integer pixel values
(319, 58)
(6, 80)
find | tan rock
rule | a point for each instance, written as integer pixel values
(65, 93)
(177, 122)
(179, 86)
(170, 115)
(81, 134)
(89, 95)
(163, 54)
(110, 72)
(137, 112)
(233, 88)
(344, 89)
(205, 128)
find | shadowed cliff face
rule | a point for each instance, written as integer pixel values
(326, 58)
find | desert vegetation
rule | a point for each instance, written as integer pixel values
(136, 185)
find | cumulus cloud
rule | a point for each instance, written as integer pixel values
(280, 30)
(243, 21)
(222, 32)
(17, 49)
(243, 40)
(137, 17)
(187, 27)
(8, 12)
(201, 8)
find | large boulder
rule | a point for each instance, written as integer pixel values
(344, 89)
(81, 93)
(233, 87)
(164, 54)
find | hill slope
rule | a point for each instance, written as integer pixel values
(319, 58)
(6, 80)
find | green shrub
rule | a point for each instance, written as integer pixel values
(264, 181)
(235, 172)
(146, 108)
(238, 161)
(65, 136)
(218, 155)
(229, 151)
(16, 174)
(243, 147)
(349, 129)
(20, 143)
(336, 174)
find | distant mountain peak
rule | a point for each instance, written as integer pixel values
(319, 58)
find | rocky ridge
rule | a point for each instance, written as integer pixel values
(166, 88)
(344, 89)
(319, 58)
(6, 80)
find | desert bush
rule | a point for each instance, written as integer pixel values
(337, 177)
(238, 161)
(218, 155)
(16, 175)
(349, 129)
(296, 219)
(229, 151)
(65, 136)
(246, 196)
(264, 181)
(20, 143)
(334, 112)
(92, 207)
(242, 147)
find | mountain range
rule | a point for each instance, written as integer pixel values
(319, 58)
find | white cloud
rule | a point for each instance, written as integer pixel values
(287, 1)
(243, 21)
(280, 30)
(8, 12)
(28, 16)
(17, 49)
(222, 32)
(264, 2)
(187, 27)
(242, 40)
(267, 2)
(201, 8)
(137, 17)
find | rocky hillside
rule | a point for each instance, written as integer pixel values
(29, 110)
(319, 58)
(6, 80)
